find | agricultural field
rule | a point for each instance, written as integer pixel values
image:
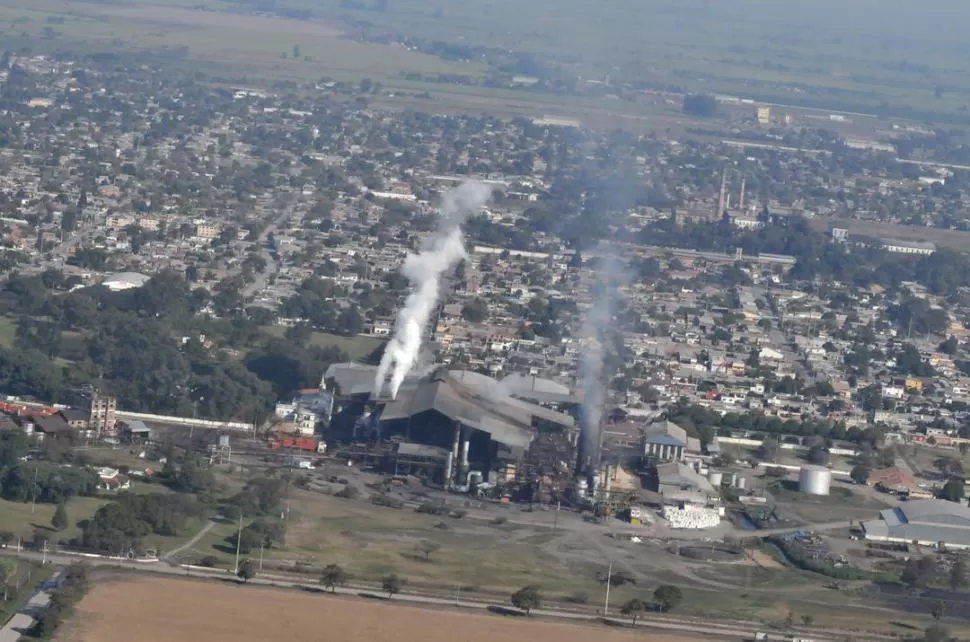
(129, 609)
(279, 47)
(857, 58)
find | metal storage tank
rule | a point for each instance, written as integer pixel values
(594, 484)
(223, 441)
(581, 486)
(716, 478)
(740, 482)
(814, 480)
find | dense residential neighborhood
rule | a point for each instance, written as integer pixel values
(753, 333)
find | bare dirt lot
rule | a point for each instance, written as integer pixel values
(161, 610)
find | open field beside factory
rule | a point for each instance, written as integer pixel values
(357, 347)
(142, 609)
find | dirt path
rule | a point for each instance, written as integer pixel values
(189, 544)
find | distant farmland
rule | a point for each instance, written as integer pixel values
(162, 610)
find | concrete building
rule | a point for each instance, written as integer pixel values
(909, 247)
(101, 410)
(764, 115)
(666, 441)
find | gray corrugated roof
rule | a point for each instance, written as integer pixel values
(925, 520)
(678, 474)
(480, 406)
(936, 512)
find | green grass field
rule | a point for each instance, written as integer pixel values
(356, 348)
(22, 519)
(8, 331)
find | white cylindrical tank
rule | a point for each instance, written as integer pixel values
(223, 441)
(716, 478)
(740, 482)
(815, 480)
(594, 484)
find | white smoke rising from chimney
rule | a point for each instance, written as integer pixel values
(441, 253)
(597, 323)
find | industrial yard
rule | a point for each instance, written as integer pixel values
(142, 609)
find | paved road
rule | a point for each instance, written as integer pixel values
(814, 528)
(192, 542)
(272, 265)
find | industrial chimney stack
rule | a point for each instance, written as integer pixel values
(721, 195)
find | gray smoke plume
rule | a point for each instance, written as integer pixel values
(441, 253)
(596, 326)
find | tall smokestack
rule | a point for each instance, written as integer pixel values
(741, 197)
(720, 197)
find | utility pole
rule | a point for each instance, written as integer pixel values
(260, 558)
(33, 492)
(238, 542)
(609, 579)
(43, 559)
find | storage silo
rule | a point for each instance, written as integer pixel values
(740, 482)
(815, 480)
(716, 478)
(223, 441)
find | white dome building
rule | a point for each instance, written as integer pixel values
(124, 281)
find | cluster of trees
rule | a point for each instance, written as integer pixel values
(316, 302)
(47, 482)
(118, 527)
(666, 597)
(62, 601)
(146, 346)
(262, 533)
(260, 497)
(805, 560)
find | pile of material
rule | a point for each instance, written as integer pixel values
(691, 517)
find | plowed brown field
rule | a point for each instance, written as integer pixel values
(162, 610)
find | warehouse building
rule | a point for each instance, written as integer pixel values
(679, 482)
(928, 522)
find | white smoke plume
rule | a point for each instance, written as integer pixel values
(440, 254)
(596, 327)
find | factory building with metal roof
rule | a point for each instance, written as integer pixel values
(929, 522)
